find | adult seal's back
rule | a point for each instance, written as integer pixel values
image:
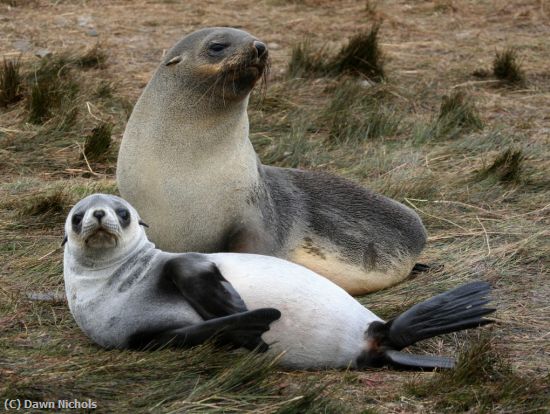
(187, 164)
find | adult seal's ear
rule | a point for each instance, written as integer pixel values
(173, 61)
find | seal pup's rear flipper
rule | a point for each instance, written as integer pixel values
(405, 361)
(455, 310)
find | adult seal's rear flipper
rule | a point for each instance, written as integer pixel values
(455, 310)
(200, 282)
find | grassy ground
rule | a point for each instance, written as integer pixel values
(453, 120)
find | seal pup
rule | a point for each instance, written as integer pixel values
(125, 293)
(187, 164)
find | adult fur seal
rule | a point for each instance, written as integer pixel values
(187, 164)
(123, 292)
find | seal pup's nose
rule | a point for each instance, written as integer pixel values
(260, 48)
(99, 214)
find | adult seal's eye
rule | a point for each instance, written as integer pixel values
(215, 48)
(123, 214)
(77, 218)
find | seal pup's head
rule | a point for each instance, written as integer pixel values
(217, 62)
(103, 227)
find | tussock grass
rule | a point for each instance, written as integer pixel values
(306, 60)
(52, 92)
(457, 113)
(506, 167)
(482, 382)
(10, 82)
(292, 149)
(457, 116)
(52, 201)
(357, 113)
(95, 58)
(507, 67)
(104, 90)
(98, 142)
(361, 56)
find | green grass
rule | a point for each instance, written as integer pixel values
(307, 60)
(10, 82)
(507, 67)
(94, 58)
(97, 143)
(483, 382)
(457, 115)
(359, 112)
(506, 167)
(361, 56)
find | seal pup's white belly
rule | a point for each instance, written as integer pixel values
(321, 325)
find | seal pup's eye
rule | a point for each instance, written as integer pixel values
(123, 214)
(216, 48)
(77, 218)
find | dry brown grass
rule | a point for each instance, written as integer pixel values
(481, 224)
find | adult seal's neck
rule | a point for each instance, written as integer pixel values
(180, 119)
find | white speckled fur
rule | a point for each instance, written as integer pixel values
(321, 325)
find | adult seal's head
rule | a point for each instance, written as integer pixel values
(102, 229)
(220, 65)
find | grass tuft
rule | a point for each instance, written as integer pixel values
(55, 201)
(311, 399)
(482, 381)
(357, 113)
(507, 67)
(457, 115)
(306, 61)
(41, 100)
(53, 93)
(104, 90)
(10, 82)
(93, 58)
(457, 111)
(98, 142)
(506, 167)
(291, 149)
(361, 56)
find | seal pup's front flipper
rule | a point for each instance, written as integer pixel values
(201, 283)
(455, 310)
(241, 330)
